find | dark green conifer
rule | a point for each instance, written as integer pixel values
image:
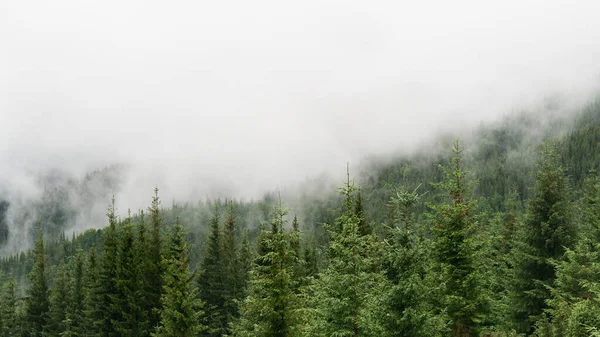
(455, 250)
(37, 301)
(180, 315)
(547, 230)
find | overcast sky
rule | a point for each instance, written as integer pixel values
(253, 94)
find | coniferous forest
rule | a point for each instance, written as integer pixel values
(492, 233)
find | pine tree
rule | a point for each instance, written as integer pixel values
(364, 227)
(9, 309)
(232, 284)
(268, 310)
(455, 251)
(37, 302)
(59, 302)
(546, 231)
(127, 299)
(180, 316)
(76, 309)
(574, 305)
(143, 278)
(347, 298)
(153, 266)
(93, 296)
(211, 280)
(104, 313)
(410, 312)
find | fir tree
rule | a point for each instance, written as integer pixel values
(574, 305)
(104, 313)
(547, 230)
(127, 299)
(180, 316)
(211, 280)
(410, 310)
(269, 308)
(153, 266)
(37, 302)
(92, 297)
(232, 284)
(8, 310)
(59, 302)
(347, 298)
(76, 309)
(454, 250)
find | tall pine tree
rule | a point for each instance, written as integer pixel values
(180, 315)
(37, 301)
(547, 230)
(455, 250)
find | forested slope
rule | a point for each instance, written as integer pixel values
(496, 235)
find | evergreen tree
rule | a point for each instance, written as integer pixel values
(547, 230)
(268, 310)
(37, 302)
(180, 316)
(211, 281)
(8, 310)
(144, 281)
(364, 227)
(232, 290)
(59, 302)
(93, 296)
(128, 293)
(104, 313)
(347, 298)
(410, 312)
(574, 306)
(455, 251)
(153, 266)
(76, 309)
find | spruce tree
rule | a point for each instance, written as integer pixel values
(547, 230)
(269, 309)
(180, 315)
(574, 305)
(37, 301)
(347, 298)
(128, 296)
(59, 302)
(455, 249)
(211, 280)
(104, 312)
(9, 309)
(93, 296)
(230, 260)
(76, 309)
(153, 266)
(410, 311)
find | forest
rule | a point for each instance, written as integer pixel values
(489, 233)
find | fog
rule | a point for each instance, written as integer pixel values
(233, 98)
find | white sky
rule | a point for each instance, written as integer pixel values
(253, 94)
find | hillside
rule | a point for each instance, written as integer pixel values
(494, 235)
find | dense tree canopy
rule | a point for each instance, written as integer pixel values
(501, 238)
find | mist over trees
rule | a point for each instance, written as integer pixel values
(496, 234)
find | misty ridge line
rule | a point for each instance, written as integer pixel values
(79, 202)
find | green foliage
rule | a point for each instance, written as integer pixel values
(211, 281)
(181, 315)
(59, 301)
(408, 265)
(546, 232)
(37, 301)
(455, 250)
(269, 310)
(347, 298)
(8, 308)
